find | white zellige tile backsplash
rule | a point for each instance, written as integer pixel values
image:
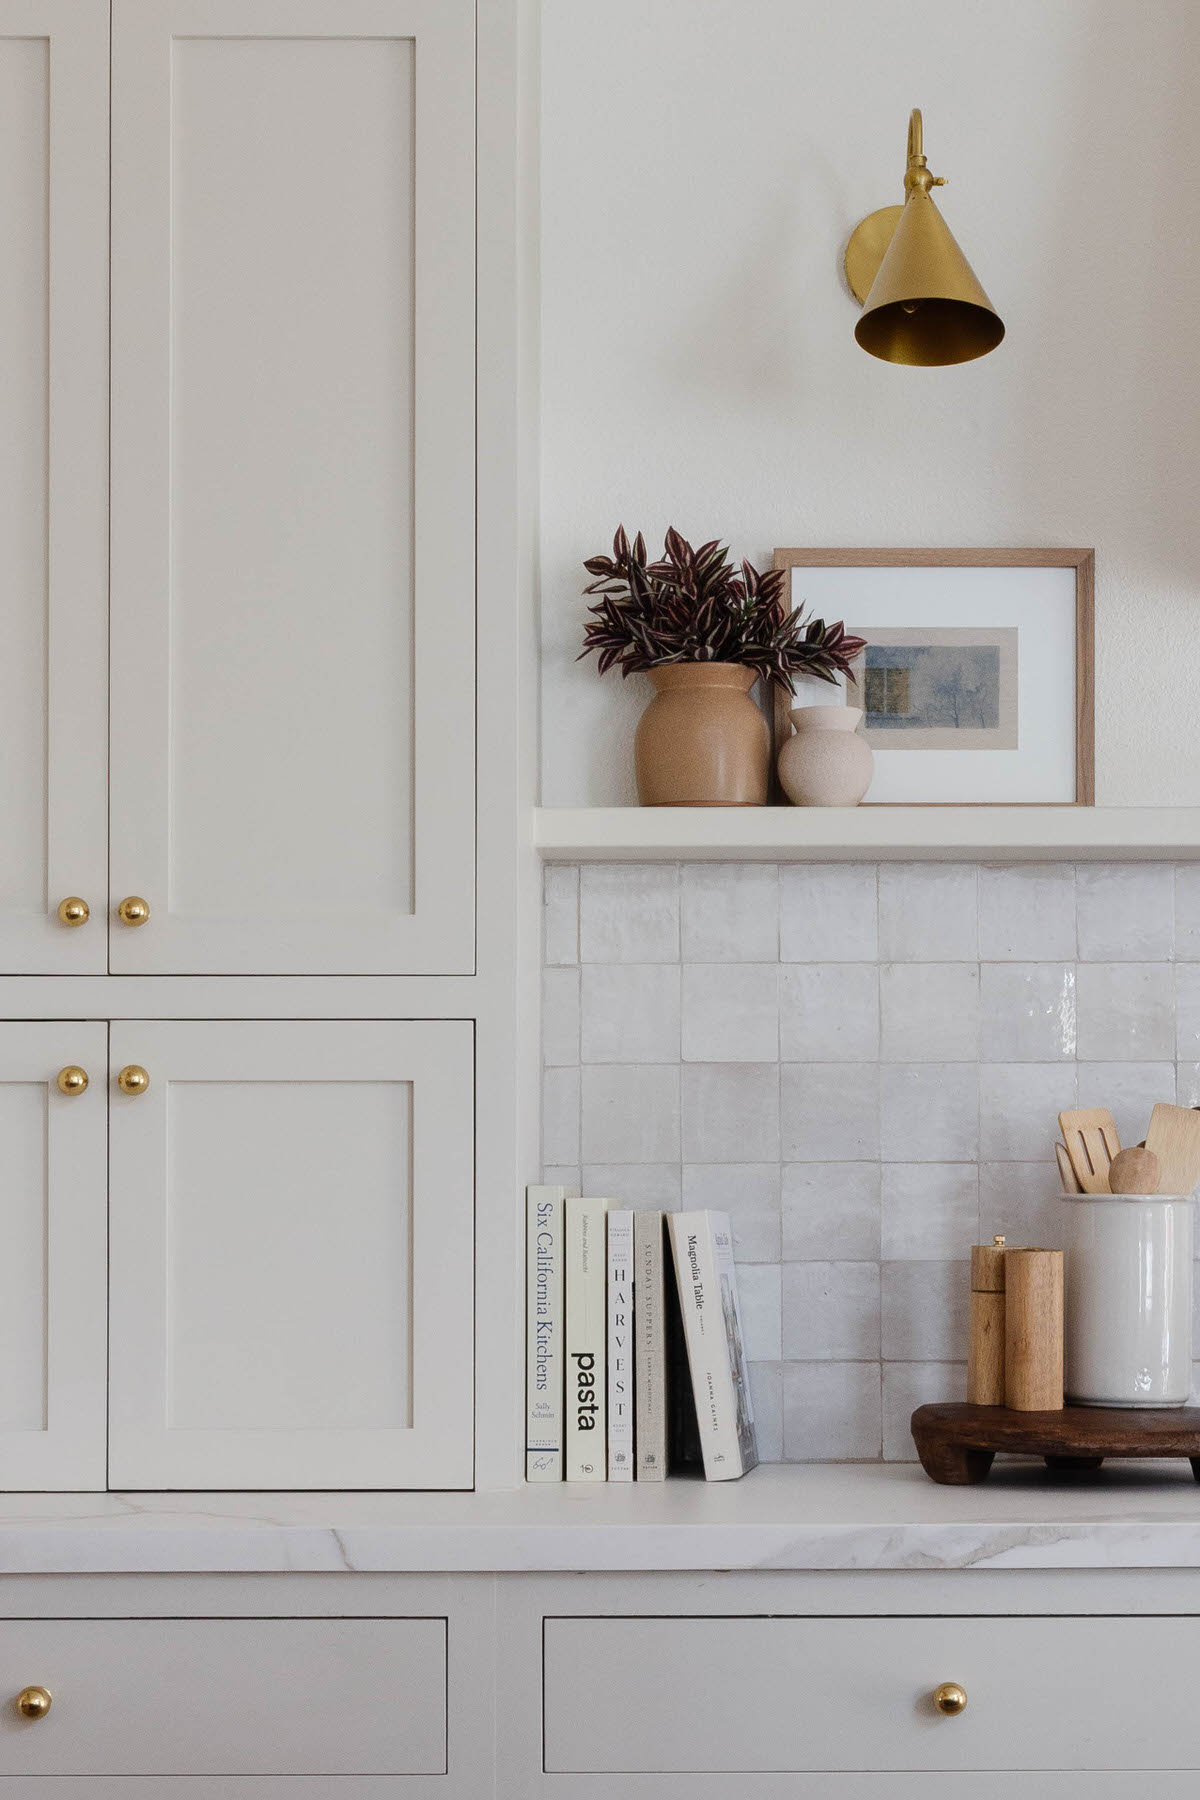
(862, 1065)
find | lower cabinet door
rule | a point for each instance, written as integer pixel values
(52, 1232)
(291, 1217)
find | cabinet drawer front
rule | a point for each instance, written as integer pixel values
(764, 1695)
(226, 1696)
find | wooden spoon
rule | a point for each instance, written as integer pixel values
(1070, 1180)
(1135, 1172)
(1091, 1141)
(1174, 1137)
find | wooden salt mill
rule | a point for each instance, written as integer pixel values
(985, 1341)
(1033, 1330)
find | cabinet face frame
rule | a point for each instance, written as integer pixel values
(436, 1449)
(73, 747)
(437, 935)
(68, 1453)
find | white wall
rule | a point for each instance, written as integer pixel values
(703, 164)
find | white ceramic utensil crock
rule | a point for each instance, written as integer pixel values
(1128, 1299)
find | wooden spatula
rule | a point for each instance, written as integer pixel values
(1070, 1181)
(1091, 1141)
(1174, 1137)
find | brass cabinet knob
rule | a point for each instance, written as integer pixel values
(34, 1702)
(133, 1079)
(133, 910)
(72, 1079)
(950, 1699)
(74, 911)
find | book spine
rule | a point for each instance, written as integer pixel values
(650, 1350)
(586, 1277)
(620, 1345)
(544, 1355)
(705, 1326)
(735, 1340)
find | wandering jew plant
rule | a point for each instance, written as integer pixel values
(694, 606)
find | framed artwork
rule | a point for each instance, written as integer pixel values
(976, 685)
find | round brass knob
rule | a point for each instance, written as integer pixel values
(34, 1702)
(72, 1079)
(133, 910)
(133, 1079)
(74, 911)
(950, 1699)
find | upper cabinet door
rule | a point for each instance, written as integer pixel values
(54, 477)
(293, 564)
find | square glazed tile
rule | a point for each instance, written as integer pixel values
(554, 1175)
(630, 1113)
(730, 1112)
(560, 916)
(831, 1311)
(930, 1210)
(1019, 1104)
(830, 1112)
(649, 1186)
(1023, 1202)
(1130, 1091)
(929, 1012)
(560, 1017)
(629, 912)
(831, 1412)
(907, 1386)
(630, 1013)
(1187, 1011)
(827, 913)
(560, 1116)
(730, 1012)
(1187, 1084)
(924, 1309)
(1029, 1012)
(759, 1300)
(730, 912)
(1126, 1012)
(929, 1112)
(766, 1397)
(831, 1212)
(829, 1012)
(928, 912)
(1027, 914)
(1187, 912)
(1125, 912)
(749, 1193)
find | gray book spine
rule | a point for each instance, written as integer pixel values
(650, 1360)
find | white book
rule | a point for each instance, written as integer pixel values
(650, 1349)
(702, 1245)
(544, 1356)
(620, 1344)
(586, 1260)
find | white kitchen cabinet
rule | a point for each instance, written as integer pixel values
(52, 1270)
(291, 1288)
(53, 472)
(293, 486)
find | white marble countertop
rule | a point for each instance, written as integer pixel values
(874, 1516)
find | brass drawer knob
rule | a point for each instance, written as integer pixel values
(133, 910)
(34, 1702)
(950, 1699)
(72, 1079)
(74, 911)
(133, 1079)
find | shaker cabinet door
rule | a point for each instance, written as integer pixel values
(53, 474)
(293, 559)
(53, 1230)
(291, 1289)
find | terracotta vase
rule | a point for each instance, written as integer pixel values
(827, 763)
(702, 741)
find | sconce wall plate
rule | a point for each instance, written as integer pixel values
(867, 247)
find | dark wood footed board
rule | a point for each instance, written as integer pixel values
(957, 1443)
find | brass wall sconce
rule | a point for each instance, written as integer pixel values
(920, 299)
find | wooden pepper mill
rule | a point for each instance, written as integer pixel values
(1033, 1330)
(985, 1340)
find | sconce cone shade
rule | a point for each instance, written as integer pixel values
(925, 306)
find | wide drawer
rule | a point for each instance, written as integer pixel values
(778, 1695)
(225, 1696)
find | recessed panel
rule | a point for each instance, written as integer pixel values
(291, 477)
(23, 1224)
(289, 1227)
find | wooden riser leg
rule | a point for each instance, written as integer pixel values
(954, 1466)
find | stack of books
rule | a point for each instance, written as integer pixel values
(636, 1367)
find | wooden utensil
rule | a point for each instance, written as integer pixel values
(1091, 1142)
(1070, 1180)
(1174, 1137)
(1135, 1172)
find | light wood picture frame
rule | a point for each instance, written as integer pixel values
(1080, 560)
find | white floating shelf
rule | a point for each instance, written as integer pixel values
(866, 833)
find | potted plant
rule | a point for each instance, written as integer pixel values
(704, 632)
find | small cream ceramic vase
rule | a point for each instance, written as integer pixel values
(827, 762)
